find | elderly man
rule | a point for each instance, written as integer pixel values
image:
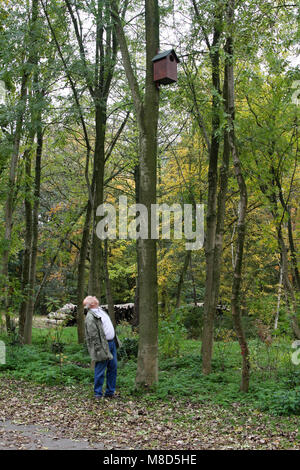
(100, 338)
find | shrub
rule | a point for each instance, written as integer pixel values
(129, 348)
(282, 402)
(192, 319)
(171, 336)
(57, 348)
(125, 330)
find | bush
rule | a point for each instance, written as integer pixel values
(124, 329)
(192, 319)
(171, 336)
(57, 347)
(129, 348)
(282, 402)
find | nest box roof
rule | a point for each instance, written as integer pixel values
(161, 55)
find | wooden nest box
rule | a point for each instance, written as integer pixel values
(165, 67)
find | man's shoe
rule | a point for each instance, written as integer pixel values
(110, 397)
(98, 397)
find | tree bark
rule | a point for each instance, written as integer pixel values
(81, 273)
(181, 277)
(96, 264)
(137, 287)
(28, 234)
(147, 118)
(241, 225)
(210, 299)
(278, 297)
(109, 297)
(35, 234)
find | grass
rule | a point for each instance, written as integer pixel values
(275, 381)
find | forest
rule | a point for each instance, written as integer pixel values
(149, 157)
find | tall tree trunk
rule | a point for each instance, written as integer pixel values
(36, 122)
(96, 264)
(210, 299)
(147, 118)
(137, 287)
(81, 273)
(28, 234)
(222, 194)
(241, 225)
(35, 234)
(10, 194)
(147, 367)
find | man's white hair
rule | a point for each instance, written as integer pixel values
(90, 300)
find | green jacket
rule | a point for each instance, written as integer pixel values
(95, 339)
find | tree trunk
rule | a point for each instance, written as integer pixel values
(241, 225)
(210, 299)
(96, 264)
(10, 194)
(181, 277)
(109, 297)
(147, 118)
(278, 298)
(147, 367)
(222, 194)
(81, 273)
(35, 234)
(137, 288)
(28, 234)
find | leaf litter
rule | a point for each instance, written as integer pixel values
(73, 416)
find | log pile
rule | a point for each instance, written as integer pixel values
(123, 312)
(220, 308)
(67, 314)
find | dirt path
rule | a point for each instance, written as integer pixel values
(38, 437)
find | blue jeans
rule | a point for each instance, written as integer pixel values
(111, 373)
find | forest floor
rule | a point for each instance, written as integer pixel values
(36, 416)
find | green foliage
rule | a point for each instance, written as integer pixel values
(129, 340)
(263, 307)
(192, 320)
(171, 334)
(42, 365)
(52, 304)
(275, 380)
(282, 402)
(128, 349)
(55, 337)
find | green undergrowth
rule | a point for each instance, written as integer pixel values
(275, 380)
